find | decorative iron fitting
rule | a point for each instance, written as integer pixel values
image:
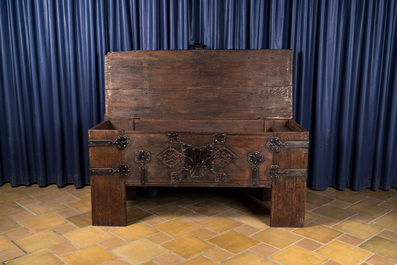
(274, 144)
(176, 177)
(274, 171)
(174, 137)
(220, 138)
(102, 171)
(123, 170)
(255, 158)
(121, 142)
(142, 156)
(220, 177)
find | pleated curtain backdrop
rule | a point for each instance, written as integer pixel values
(345, 68)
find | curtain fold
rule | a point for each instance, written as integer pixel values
(345, 68)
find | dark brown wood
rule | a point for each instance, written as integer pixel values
(199, 119)
(231, 84)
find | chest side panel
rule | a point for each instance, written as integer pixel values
(199, 84)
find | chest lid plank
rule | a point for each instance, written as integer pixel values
(199, 84)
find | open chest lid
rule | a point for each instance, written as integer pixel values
(199, 84)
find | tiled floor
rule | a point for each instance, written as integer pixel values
(196, 226)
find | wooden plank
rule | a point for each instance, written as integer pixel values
(198, 69)
(184, 103)
(207, 84)
(228, 126)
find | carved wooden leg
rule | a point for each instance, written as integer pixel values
(108, 198)
(288, 202)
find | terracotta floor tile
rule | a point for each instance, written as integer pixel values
(12, 196)
(234, 242)
(28, 201)
(373, 201)
(219, 223)
(63, 248)
(258, 221)
(332, 262)
(154, 220)
(381, 246)
(169, 259)
(45, 193)
(134, 232)
(334, 212)
(165, 198)
(196, 246)
(247, 230)
(208, 208)
(22, 216)
(135, 214)
(264, 249)
(87, 236)
(39, 241)
(5, 243)
(318, 232)
(363, 218)
(37, 258)
(317, 199)
(147, 205)
(297, 256)
(119, 262)
(10, 209)
(11, 253)
(65, 228)
(350, 239)
(344, 253)
(389, 221)
(178, 227)
(233, 213)
(92, 255)
(67, 212)
(388, 235)
(113, 243)
(348, 195)
(42, 222)
(340, 204)
(68, 198)
(7, 224)
(309, 244)
(204, 233)
(379, 194)
(160, 238)
(390, 204)
(326, 221)
(194, 217)
(277, 237)
(309, 217)
(46, 207)
(357, 228)
(81, 205)
(368, 209)
(218, 254)
(81, 220)
(17, 233)
(200, 260)
(248, 257)
(139, 251)
(379, 260)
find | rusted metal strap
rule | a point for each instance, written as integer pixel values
(121, 142)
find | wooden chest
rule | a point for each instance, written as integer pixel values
(199, 118)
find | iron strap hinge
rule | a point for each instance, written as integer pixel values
(121, 142)
(274, 144)
(122, 170)
(274, 171)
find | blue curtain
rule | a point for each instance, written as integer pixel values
(345, 87)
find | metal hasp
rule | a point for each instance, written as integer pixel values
(255, 158)
(274, 144)
(121, 142)
(142, 157)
